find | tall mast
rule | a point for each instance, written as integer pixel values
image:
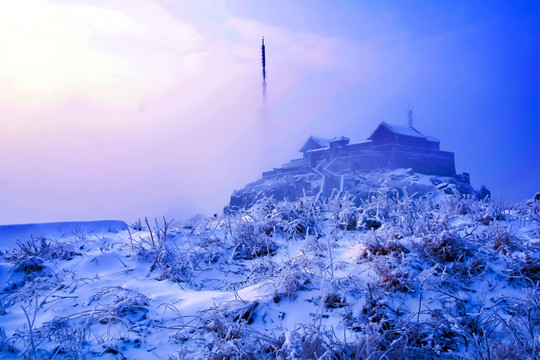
(263, 72)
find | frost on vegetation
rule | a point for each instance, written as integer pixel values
(395, 275)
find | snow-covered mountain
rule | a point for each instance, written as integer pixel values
(392, 276)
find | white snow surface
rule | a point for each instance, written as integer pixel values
(9, 234)
(440, 276)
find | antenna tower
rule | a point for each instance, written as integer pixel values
(263, 72)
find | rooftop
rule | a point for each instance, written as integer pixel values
(406, 130)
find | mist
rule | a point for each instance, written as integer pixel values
(120, 110)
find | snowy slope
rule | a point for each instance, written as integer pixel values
(440, 276)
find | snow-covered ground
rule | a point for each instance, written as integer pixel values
(439, 276)
(9, 234)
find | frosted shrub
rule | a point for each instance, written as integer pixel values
(369, 224)
(532, 208)
(178, 268)
(486, 211)
(264, 213)
(393, 276)
(40, 247)
(381, 245)
(524, 325)
(343, 212)
(381, 204)
(526, 267)
(456, 203)
(443, 247)
(305, 216)
(251, 240)
(383, 332)
(120, 304)
(231, 338)
(288, 284)
(334, 301)
(70, 337)
(403, 211)
(253, 230)
(261, 268)
(5, 346)
(501, 240)
(315, 245)
(137, 226)
(31, 272)
(468, 269)
(313, 342)
(435, 337)
(31, 266)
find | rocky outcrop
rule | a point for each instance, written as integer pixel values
(358, 184)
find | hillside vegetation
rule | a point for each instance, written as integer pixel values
(395, 275)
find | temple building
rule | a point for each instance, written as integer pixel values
(389, 147)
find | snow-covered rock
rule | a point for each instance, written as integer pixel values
(358, 184)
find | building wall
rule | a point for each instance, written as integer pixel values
(385, 150)
(417, 142)
(435, 163)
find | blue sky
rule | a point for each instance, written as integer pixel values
(124, 109)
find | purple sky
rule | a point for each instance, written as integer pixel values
(125, 109)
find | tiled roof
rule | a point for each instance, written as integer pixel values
(319, 142)
(407, 131)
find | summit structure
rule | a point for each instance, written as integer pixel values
(388, 147)
(392, 157)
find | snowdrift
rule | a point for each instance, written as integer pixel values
(9, 234)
